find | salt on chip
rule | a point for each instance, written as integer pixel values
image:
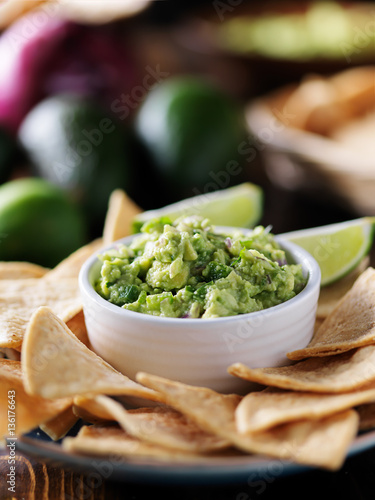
(322, 443)
(109, 440)
(351, 324)
(261, 410)
(30, 410)
(56, 364)
(163, 426)
(21, 270)
(120, 214)
(19, 299)
(344, 372)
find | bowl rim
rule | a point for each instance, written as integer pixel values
(301, 255)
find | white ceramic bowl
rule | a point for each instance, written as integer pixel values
(199, 351)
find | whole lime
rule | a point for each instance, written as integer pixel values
(38, 222)
(78, 146)
(192, 132)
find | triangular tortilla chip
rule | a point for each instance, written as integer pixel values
(120, 214)
(109, 440)
(89, 410)
(322, 443)
(261, 410)
(71, 266)
(344, 372)
(58, 426)
(19, 299)
(351, 324)
(30, 411)
(366, 416)
(163, 426)
(21, 270)
(56, 364)
(77, 325)
(330, 295)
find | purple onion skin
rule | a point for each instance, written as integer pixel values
(60, 56)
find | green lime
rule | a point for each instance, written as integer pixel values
(76, 145)
(239, 206)
(337, 248)
(38, 223)
(192, 132)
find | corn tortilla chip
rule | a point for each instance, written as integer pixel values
(30, 411)
(163, 426)
(77, 326)
(71, 266)
(89, 410)
(265, 409)
(120, 214)
(323, 443)
(20, 298)
(58, 426)
(351, 324)
(344, 372)
(10, 354)
(56, 364)
(21, 270)
(330, 295)
(111, 440)
(366, 416)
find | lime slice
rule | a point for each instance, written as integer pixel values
(337, 248)
(239, 206)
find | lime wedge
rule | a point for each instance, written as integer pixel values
(239, 206)
(337, 248)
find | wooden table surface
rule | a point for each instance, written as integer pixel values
(36, 480)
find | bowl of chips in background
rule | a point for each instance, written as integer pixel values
(199, 351)
(317, 137)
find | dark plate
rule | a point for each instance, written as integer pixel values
(214, 472)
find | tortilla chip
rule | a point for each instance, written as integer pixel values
(77, 326)
(110, 440)
(330, 295)
(21, 270)
(163, 426)
(351, 324)
(10, 354)
(56, 364)
(71, 266)
(265, 409)
(120, 214)
(89, 410)
(57, 427)
(31, 411)
(323, 443)
(366, 416)
(19, 299)
(344, 372)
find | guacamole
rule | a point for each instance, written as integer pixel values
(185, 269)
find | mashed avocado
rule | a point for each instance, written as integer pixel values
(186, 270)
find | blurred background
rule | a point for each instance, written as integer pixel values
(168, 100)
